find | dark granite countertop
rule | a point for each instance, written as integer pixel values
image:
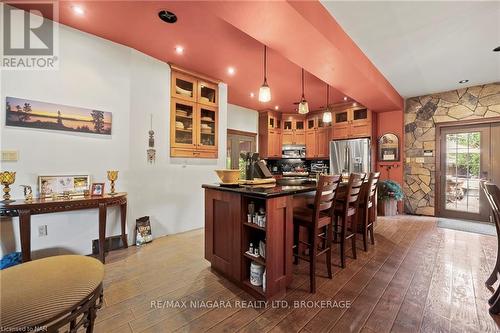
(277, 191)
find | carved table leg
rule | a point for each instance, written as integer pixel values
(123, 215)
(25, 231)
(102, 230)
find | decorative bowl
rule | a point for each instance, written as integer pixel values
(228, 176)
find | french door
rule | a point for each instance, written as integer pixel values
(467, 155)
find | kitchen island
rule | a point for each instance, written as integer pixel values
(229, 232)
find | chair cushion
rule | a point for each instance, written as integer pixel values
(39, 290)
(340, 211)
(303, 216)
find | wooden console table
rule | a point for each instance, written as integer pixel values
(25, 209)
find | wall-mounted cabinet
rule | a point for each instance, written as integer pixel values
(270, 135)
(194, 117)
(293, 130)
(317, 136)
(352, 123)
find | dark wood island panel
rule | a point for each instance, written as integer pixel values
(227, 236)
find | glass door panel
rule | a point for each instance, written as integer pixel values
(361, 114)
(310, 123)
(184, 87)
(299, 125)
(341, 117)
(287, 125)
(184, 123)
(207, 94)
(239, 143)
(207, 128)
(464, 157)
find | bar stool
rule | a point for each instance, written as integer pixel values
(318, 222)
(493, 195)
(367, 205)
(345, 211)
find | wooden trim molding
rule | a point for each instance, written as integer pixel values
(195, 74)
(238, 132)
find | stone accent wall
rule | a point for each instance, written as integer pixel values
(421, 115)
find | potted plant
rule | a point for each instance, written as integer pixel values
(388, 194)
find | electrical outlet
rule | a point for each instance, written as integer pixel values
(42, 230)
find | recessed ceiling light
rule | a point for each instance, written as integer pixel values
(167, 16)
(354, 104)
(496, 49)
(78, 10)
(252, 94)
(463, 81)
(179, 49)
(276, 107)
(345, 98)
(231, 70)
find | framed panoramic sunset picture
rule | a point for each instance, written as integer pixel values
(34, 114)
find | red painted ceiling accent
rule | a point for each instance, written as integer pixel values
(216, 35)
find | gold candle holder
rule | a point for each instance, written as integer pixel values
(7, 178)
(112, 177)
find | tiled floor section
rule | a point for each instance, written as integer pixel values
(416, 278)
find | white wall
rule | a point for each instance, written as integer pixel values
(93, 74)
(242, 119)
(96, 73)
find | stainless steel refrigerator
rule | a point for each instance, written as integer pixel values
(348, 156)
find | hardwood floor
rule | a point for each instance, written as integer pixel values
(416, 278)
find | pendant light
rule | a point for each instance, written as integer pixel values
(303, 106)
(327, 115)
(265, 91)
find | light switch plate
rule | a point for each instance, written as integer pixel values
(408, 160)
(10, 155)
(419, 160)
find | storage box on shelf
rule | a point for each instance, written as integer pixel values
(270, 141)
(194, 116)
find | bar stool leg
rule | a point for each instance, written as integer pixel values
(353, 245)
(312, 260)
(342, 249)
(329, 239)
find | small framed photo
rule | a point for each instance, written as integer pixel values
(97, 190)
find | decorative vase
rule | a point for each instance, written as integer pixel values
(7, 178)
(388, 207)
(112, 177)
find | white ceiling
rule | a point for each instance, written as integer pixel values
(425, 47)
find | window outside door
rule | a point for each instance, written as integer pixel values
(238, 143)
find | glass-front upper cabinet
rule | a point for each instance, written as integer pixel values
(341, 117)
(287, 125)
(184, 87)
(311, 123)
(299, 125)
(207, 126)
(360, 115)
(207, 93)
(183, 117)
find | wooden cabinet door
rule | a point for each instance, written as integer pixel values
(359, 130)
(274, 144)
(360, 116)
(183, 87)
(207, 93)
(222, 231)
(288, 137)
(206, 127)
(341, 131)
(300, 137)
(311, 151)
(183, 125)
(323, 142)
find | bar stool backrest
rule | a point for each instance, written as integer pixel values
(326, 194)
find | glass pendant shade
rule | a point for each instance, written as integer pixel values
(327, 117)
(264, 93)
(303, 107)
